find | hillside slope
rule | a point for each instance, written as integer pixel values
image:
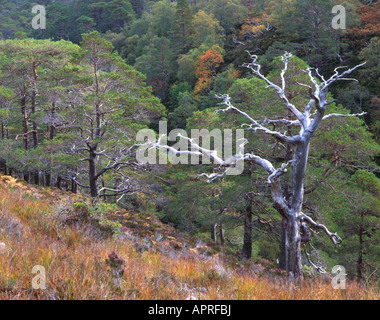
(109, 253)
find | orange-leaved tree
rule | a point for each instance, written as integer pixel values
(206, 69)
(369, 28)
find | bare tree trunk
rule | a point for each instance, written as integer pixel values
(59, 181)
(189, 218)
(92, 174)
(27, 177)
(74, 187)
(360, 257)
(3, 166)
(221, 235)
(36, 175)
(213, 232)
(282, 259)
(51, 130)
(292, 222)
(247, 242)
(34, 124)
(292, 247)
(25, 121)
(48, 179)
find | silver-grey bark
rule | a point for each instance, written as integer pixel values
(295, 223)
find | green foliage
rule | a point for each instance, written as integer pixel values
(186, 107)
(361, 224)
(116, 13)
(367, 181)
(76, 85)
(269, 250)
(340, 140)
(186, 69)
(58, 21)
(229, 13)
(354, 97)
(148, 53)
(174, 92)
(309, 25)
(6, 93)
(183, 26)
(370, 73)
(157, 63)
(206, 30)
(163, 18)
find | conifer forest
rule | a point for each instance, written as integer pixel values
(189, 150)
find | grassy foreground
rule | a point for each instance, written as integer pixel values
(122, 255)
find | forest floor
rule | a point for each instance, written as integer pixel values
(112, 253)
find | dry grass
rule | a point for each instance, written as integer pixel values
(157, 264)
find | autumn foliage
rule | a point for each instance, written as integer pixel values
(370, 26)
(251, 28)
(206, 69)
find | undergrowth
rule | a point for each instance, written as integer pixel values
(106, 253)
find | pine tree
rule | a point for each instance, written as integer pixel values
(183, 26)
(112, 106)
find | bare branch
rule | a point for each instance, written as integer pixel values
(79, 184)
(255, 125)
(199, 151)
(25, 134)
(235, 40)
(213, 176)
(286, 122)
(116, 192)
(318, 268)
(274, 174)
(336, 76)
(333, 236)
(111, 167)
(337, 115)
(255, 67)
(279, 172)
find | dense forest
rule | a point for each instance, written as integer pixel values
(74, 95)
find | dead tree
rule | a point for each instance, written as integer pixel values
(295, 222)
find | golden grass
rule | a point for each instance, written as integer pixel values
(75, 262)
